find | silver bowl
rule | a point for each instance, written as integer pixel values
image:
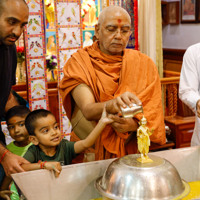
(128, 179)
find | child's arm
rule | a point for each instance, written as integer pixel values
(4, 190)
(5, 194)
(91, 138)
(55, 166)
(6, 182)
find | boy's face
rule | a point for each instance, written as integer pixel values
(17, 129)
(47, 132)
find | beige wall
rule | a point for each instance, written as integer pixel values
(180, 36)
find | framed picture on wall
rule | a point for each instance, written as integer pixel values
(173, 12)
(51, 42)
(188, 11)
(170, 12)
(198, 10)
(90, 10)
(88, 35)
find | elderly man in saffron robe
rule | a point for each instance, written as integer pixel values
(107, 73)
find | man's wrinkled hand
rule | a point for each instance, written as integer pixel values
(123, 125)
(127, 98)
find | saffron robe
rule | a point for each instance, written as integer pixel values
(110, 76)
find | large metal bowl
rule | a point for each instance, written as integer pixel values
(128, 179)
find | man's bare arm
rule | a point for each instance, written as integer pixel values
(12, 163)
(81, 145)
(2, 150)
(84, 98)
(10, 103)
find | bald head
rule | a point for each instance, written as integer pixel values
(2, 3)
(109, 11)
(13, 18)
(113, 30)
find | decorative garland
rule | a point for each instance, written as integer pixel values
(136, 23)
(115, 2)
(131, 6)
(69, 40)
(35, 56)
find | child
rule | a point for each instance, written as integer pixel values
(15, 119)
(5, 194)
(48, 144)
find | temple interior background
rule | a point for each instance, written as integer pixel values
(165, 41)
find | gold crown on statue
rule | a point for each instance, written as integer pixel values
(143, 121)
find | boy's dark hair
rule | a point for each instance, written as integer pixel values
(20, 111)
(32, 117)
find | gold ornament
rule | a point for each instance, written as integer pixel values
(37, 73)
(33, 6)
(143, 141)
(38, 93)
(35, 50)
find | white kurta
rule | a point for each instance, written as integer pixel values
(189, 87)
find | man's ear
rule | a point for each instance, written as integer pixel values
(97, 27)
(33, 139)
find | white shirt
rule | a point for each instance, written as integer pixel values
(189, 86)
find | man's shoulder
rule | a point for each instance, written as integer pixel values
(194, 47)
(193, 50)
(80, 52)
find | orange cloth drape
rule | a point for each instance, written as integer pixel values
(109, 76)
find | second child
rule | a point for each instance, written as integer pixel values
(15, 119)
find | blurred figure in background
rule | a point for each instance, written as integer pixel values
(189, 86)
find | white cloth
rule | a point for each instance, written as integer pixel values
(87, 43)
(150, 31)
(189, 87)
